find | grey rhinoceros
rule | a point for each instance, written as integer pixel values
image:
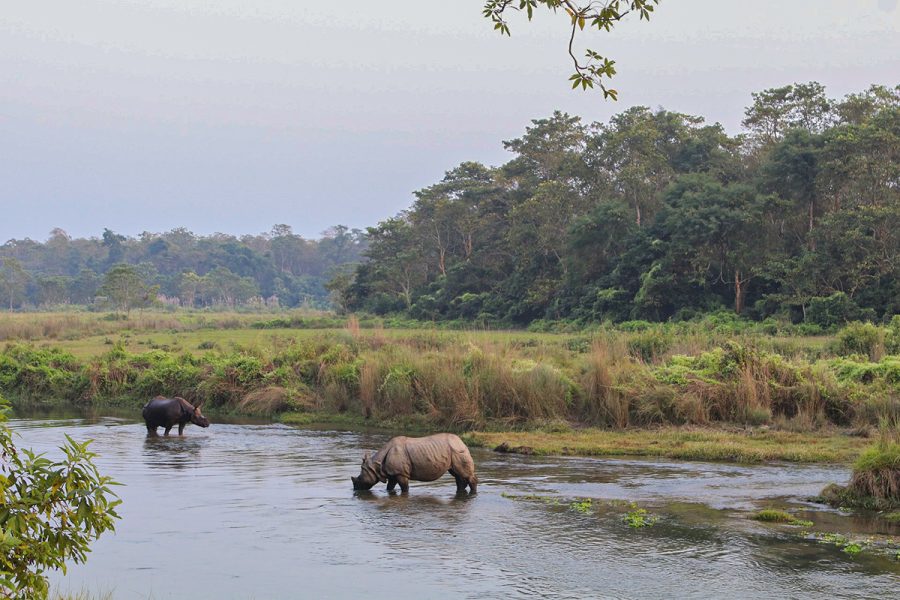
(419, 459)
(168, 412)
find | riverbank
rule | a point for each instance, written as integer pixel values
(708, 390)
(752, 446)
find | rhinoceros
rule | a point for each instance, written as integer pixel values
(419, 459)
(167, 412)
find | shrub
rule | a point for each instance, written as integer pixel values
(892, 336)
(836, 309)
(860, 338)
(876, 473)
(51, 512)
(649, 345)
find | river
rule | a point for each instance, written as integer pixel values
(263, 510)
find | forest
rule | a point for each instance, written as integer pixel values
(657, 216)
(654, 216)
(176, 268)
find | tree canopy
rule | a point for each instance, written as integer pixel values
(277, 268)
(658, 215)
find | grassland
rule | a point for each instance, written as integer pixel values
(719, 389)
(745, 446)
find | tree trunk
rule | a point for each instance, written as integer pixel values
(739, 292)
(812, 212)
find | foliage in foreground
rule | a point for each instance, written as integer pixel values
(50, 512)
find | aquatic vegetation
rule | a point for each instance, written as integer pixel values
(550, 500)
(846, 545)
(639, 517)
(852, 548)
(583, 505)
(770, 515)
(876, 472)
(875, 483)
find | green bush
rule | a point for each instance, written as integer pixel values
(860, 338)
(836, 309)
(50, 512)
(649, 345)
(892, 336)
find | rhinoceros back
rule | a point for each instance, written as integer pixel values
(427, 458)
(162, 412)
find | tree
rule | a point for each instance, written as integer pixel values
(398, 266)
(189, 287)
(125, 288)
(54, 290)
(777, 110)
(634, 155)
(227, 288)
(50, 512)
(856, 109)
(112, 241)
(602, 16)
(12, 280)
(718, 229)
(791, 171)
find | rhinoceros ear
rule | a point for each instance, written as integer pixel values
(365, 458)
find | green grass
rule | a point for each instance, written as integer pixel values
(679, 443)
(880, 456)
(771, 515)
(672, 390)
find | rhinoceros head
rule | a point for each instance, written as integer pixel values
(197, 417)
(369, 474)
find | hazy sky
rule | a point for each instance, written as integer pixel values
(231, 116)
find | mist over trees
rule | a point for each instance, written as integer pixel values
(278, 268)
(658, 215)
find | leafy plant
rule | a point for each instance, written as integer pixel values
(50, 512)
(583, 505)
(639, 517)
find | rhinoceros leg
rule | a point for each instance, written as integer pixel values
(168, 429)
(392, 483)
(404, 483)
(181, 428)
(460, 483)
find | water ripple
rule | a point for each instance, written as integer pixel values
(267, 511)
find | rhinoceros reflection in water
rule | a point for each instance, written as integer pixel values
(418, 459)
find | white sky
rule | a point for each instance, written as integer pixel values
(231, 116)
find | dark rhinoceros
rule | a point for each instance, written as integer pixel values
(419, 459)
(168, 412)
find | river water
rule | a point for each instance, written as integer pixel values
(267, 511)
